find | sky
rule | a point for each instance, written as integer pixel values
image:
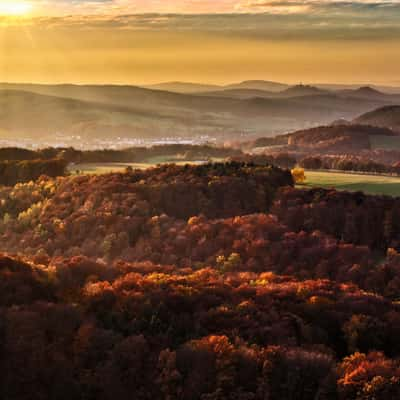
(219, 41)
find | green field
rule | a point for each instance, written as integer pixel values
(370, 184)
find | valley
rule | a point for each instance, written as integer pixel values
(91, 116)
(199, 200)
(179, 257)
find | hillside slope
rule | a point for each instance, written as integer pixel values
(344, 139)
(388, 117)
(27, 114)
(110, 111)
(183, 87)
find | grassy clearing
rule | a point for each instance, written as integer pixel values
(370, 184)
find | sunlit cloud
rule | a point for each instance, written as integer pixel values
(146, 41)
(66, 7)
(274, 7)
(339, 7)
(336, 21)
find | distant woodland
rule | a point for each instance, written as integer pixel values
(18, 165)
(132, 154)
(349, 147)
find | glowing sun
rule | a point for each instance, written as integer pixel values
(14, 8)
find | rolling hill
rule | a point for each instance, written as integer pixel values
(333, 139)
(259, 85)
(32, 115)
(266, 86)
(190, 87)
(364, 92)
(246, 93)
(107, 112)
(240, 93)
(388, 116)
(183, 87)
(353, 136)
(341, 87)
(302, 90)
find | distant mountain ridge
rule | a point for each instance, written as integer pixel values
(183, 87)
(259, 85)
(268, 86)
(269, 90)
(247, 93)
(302, 90)
(192, 87)
(122, 111)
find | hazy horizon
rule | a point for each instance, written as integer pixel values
(199, 199)
(333, 45)
(394, 84)
(147, 42)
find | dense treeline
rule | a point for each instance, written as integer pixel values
(185, 152)
(373, 221)
(57, 224)
(209, 282)
(338, 138)
(73, 214)
(83, 330)
(18, 154)
(377, 162)
(346, 147)
(280, 159)
(349, 163)
(13, 172)
(334, 139)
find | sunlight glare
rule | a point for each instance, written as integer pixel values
(14, 8)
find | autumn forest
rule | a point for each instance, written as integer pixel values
(216, 281)
(199, 200)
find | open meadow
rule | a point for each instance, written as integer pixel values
(369, 184)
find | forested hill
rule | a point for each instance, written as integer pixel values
(337, 138)
(219, 281)
(75, 212)
(388, 117)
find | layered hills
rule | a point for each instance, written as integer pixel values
(109, 112)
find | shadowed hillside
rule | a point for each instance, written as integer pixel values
(332, 138)
(388, 116)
